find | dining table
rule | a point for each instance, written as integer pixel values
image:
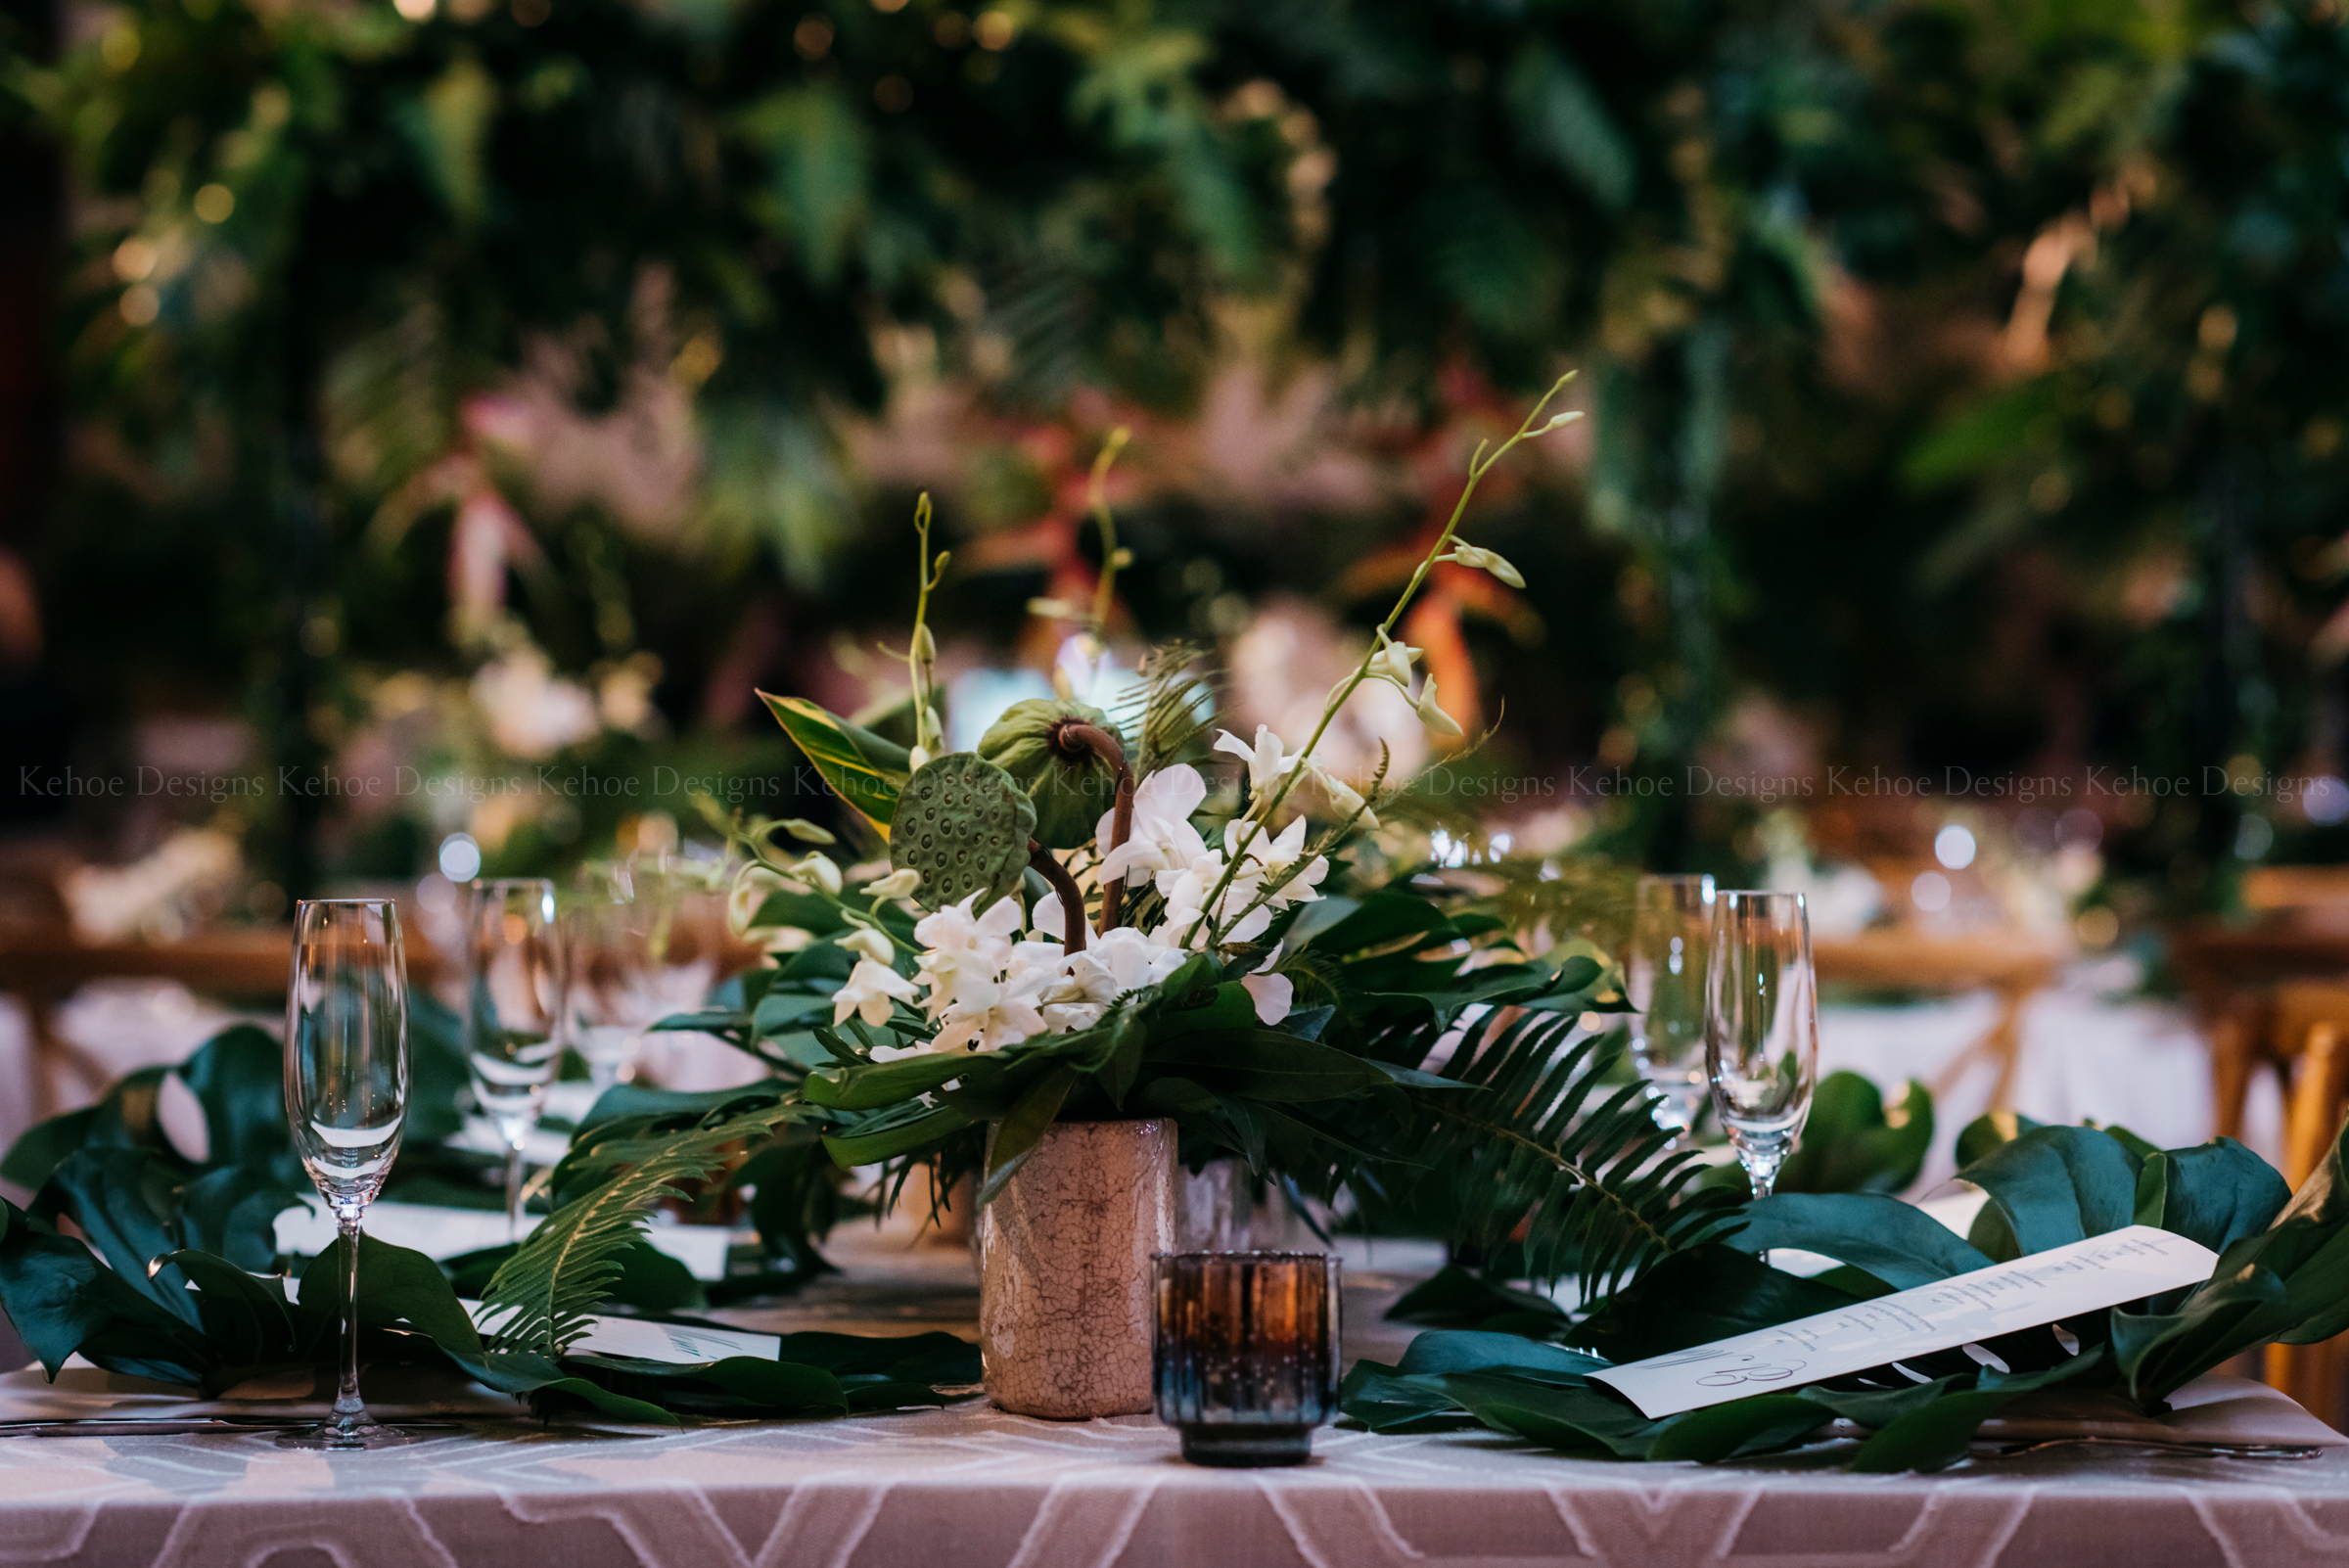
(2236, 1477)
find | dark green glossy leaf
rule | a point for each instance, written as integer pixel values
(1017, 1133)
(233, 1211)
(863, 769)
(1851, 1144)
(238, 1077)
(1896, 1242)
(1754, 1425)
(63, 1300)
(916, 1137)
(2216, 1194)
(1695, 1297)
(2058, 1184)
(1468, 1350)
(397, 1285)
(873, 1085)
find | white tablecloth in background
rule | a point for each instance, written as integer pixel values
(2140, 1064)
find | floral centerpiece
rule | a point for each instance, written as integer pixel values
(1086, 952)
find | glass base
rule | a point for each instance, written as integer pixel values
(1247, 1447)
(361, 1435)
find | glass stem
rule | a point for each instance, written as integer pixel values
(350, 1411)
(514, 1192)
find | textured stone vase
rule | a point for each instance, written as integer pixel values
(1064, 1270)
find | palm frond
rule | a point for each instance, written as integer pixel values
(1540, 1148)
(1174, 704)
(543, 1297)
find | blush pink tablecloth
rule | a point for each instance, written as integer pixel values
(971, 1486)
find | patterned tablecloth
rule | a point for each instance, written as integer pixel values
(974, 1486)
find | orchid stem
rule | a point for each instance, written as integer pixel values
(1480, 463)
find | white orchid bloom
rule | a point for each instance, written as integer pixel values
(1432, 715)
(1162, 836)
(1048, 919)
(897, 885)
(987, 1017)
(866, 942)
(1482, 560)
(820, 870)
(1273, 993)
(1344, 799)
(1266, 762)
(1393, 661)
(871, 992)
(1270, 856)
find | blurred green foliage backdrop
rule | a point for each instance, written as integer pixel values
(1963, 373)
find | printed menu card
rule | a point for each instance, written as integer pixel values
(2065, 1282)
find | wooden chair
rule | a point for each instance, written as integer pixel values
(44, 966)
(2011, 964)
(2317, 1018)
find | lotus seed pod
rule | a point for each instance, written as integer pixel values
(1071, 786)
(964, 824)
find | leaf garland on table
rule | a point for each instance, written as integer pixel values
(2282, 1274)
(200, 1321)
(544, 1296)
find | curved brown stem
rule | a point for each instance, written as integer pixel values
(1071, 902)
(1073, 737)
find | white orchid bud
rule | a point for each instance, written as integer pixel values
(897, 885)
(866, 942)
(820, 870)
(1393, 661)
(1432, 715)
(1482, 560)
(805, 832)
(1556, 420)
(1344, 797)
(917, 758)
(925, 646)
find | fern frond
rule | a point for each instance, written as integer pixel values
(1174, 704)
(543, 1296)
(1542, 1149)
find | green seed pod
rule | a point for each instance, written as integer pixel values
(964, 824)
(1072, 786)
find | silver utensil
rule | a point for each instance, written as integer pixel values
(182, 1425)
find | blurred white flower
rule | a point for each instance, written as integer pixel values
(531, 713)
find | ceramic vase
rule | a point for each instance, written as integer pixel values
(1064, 1270)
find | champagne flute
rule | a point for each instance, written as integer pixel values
(513, 983)
(1672, 932)
(347, 1097)
(639, 954)
(1762, 1027)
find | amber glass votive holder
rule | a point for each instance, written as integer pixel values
(1245, 1358)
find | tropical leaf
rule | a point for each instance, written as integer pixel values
(1170, 709)
(862, 770)
(1545, 1150)
(541, 1298)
